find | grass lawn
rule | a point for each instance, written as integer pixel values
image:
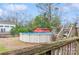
(3, 48)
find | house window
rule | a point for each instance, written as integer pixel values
(1, 26)
(2, 29)
(6, 26)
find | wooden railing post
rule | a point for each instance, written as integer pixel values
(77, 42)
(77, 47)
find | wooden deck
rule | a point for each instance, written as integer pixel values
(69, 46)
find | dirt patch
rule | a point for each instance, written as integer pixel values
(14, 43)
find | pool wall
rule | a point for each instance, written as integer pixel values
(36, 37)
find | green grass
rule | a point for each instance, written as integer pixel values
(3, 48)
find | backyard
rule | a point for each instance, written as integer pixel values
(8, 44)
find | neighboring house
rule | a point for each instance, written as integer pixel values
(6, 26)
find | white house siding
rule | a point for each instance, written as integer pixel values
(6, 27)
(36, 37)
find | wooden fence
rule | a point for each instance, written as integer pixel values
(68, 46)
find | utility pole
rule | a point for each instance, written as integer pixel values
(50, 11)
(75, 25)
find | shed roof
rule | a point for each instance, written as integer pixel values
(42, 30)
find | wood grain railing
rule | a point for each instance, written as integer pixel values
(69, 46)
(70, 32)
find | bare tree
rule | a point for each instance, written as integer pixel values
(46, 9)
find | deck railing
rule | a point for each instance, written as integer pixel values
(69, 46)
